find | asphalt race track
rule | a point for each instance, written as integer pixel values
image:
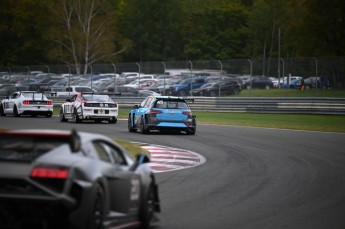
(252, 178)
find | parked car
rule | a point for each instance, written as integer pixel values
(26, 103)
(73, 90)
(293, 84)
(9, 90)
(223, 88)
(163, 113)
(91, 107)
(141, 84)
(259, 83)
(184, 87)
(69, 179)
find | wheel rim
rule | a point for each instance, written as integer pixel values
(97, 214)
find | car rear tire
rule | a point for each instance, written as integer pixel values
(191, 132)
(113, 120)
(62, 116)
(130, 127)
(182, 93)
(147, 209)
(143, 130)
(97, 212)
(15, 111)
(2, 112)
(76, 118)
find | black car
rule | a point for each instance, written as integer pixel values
(69, 179)
(223, 88)
(259, 83)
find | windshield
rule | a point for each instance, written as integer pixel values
(171, 104)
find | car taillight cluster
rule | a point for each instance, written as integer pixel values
(189, 113)
(28, 102)
(155, 112)
(49, 172)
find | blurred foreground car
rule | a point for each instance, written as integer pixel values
(163, 113)
(89, 106)
(26, 103)
(63, 179)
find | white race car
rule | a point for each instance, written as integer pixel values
(89, 106)
(26, 103)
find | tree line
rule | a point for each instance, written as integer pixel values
(82, 32)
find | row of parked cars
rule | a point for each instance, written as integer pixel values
(135, 84)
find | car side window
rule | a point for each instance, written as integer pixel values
(115, 153)
(101, 151)
(14, 96)
(109, 153)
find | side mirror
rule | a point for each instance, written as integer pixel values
(136, 106)
(68, 100)
(141, 159)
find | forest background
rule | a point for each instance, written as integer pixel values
(82, 32)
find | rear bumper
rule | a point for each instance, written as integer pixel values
(152, 123)
(45, 112)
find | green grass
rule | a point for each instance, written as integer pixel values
(327, 123)
(132, 148)
(292, 93)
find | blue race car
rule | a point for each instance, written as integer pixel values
(163, 113)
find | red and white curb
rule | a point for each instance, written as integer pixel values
(165, 159)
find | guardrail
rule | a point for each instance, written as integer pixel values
(334, 106)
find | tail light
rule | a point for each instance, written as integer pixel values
(49, 172)
(26, 102)
(155, 112)
(49, 102)
(188, 113)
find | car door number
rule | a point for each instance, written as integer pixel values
(135, 190)
(68, 108)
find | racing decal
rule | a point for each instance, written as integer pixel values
(68, 108)
(135, 190)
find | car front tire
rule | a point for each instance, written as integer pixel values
(130, 127)
(147, 209)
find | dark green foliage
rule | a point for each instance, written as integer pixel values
(156, 30)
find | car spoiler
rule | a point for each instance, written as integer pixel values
(33, 93)
(73, 139)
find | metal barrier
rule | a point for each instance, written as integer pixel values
(334, 106)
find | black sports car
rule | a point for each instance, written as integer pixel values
(63, 179)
